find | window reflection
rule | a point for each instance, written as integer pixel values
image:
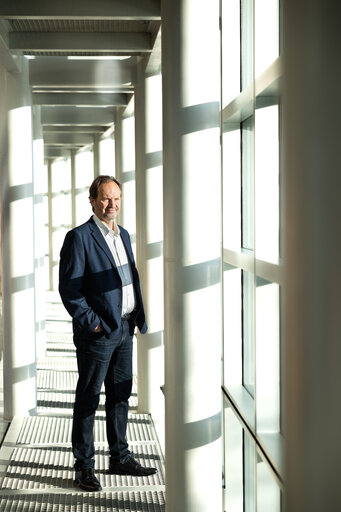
(248, 333)
(248, 235)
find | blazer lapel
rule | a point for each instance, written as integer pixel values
(97, 235)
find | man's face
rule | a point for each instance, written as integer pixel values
(108, 202)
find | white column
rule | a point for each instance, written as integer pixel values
(61, 206)
(127, 175)
(192, 254)
(39, 181)
(50, 223)
(18, 278)
(73, 187)
(82, 175)
(312, 213)
(96, 154)
(118, 144)
(149, 235)
(3, 158)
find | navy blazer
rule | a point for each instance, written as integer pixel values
(90, 285)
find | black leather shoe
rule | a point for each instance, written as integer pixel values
(130, 467)
(86, 480)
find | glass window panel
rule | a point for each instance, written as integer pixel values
(249, 474)
(268, 374)
(44, 177)
(154, 228)
(128, 144)
(84, 169)
(61, 209)
(46, 225)
(153, 133)
(248, 184)
(231, 190)
(234, 496)
(266, 34)
(268, 490)
(46, 246)
(247, 42)
(61, 176)
(251, 221)
(232, 326)
(230, 50)
(267, 183)
(128, 208)
(107, 156)
(61, 195)
(248, 332)
(84, 175)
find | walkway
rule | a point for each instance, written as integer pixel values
(36, 462)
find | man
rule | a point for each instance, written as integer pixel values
(99, 286)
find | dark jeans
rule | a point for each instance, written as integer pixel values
(109, 361)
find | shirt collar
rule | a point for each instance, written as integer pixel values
(104, 228)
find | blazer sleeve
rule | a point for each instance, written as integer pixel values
(71, 276)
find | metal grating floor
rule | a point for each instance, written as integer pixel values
(46, 467)
(120, 501)
(41, 430)
(36, 461)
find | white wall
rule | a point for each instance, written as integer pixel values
(17, 238)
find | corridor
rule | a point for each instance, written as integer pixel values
(219, 120)
(36, 457)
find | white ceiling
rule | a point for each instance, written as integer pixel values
(79, 98)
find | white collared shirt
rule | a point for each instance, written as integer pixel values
(118, 251)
